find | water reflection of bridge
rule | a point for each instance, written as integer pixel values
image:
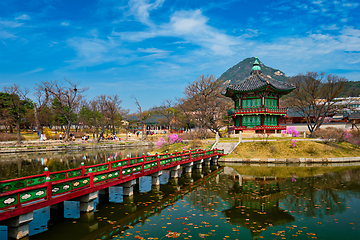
(253, 202)
(257, 204)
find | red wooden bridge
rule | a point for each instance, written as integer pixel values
(22, 195)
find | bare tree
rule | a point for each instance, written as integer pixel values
(142, 116)
(207, 105)
(109, 107)
(185, 114)
(42, 98)
(314, 95)
(67, 96)
(168, 111)
(16, 106)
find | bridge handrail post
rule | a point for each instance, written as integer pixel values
(48, 188)
(91, 177)
(46, 172)
(82, 168)
(109, 163)
(171, 158)
(143, 166)
(128, 157)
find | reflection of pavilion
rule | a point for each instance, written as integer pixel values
(257, 205)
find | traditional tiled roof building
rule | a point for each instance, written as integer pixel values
(256, 100)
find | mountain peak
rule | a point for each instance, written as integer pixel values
(242, 70)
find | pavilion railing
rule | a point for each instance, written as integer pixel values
(276, 111)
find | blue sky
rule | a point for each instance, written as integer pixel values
(151, 49)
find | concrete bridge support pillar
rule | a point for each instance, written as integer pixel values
(198, 164)
(18, 227)
(137, 184)
(174, 171)
(207, 161)
(116, 194)
(188, 167)
(155, 178)
(87, 202)
(214, 160)
(128, 187)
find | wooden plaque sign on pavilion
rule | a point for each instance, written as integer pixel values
(256, 100)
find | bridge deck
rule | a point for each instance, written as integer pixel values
(26, 194)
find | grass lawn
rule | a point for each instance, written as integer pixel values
(302, 149)
(30, 136)
(288, 171)
(180, 147)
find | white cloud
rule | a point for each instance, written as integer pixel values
(90, 50)
(330, 27)
(351, 5)
(190, 26)
(141, 8)
(31, 72)
(94, 51)
(64, 24)
(23, 17)
(10, 24)
(152, 50)
(5, 35)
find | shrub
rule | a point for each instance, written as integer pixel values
(171, 139)
(174, 138)
(9, 137)
(311, 150)
(273, 149)
(79, 134)
(196, 135)
(352, 137)
(53, 137)
(161, 142)
(292, 131)
(330, 133)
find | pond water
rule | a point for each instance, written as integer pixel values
(21, 165)
(215, 203)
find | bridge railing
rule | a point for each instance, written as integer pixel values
(25, 190)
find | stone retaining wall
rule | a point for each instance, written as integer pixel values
(290, 160)
(25, 149)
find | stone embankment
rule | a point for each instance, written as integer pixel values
(56, 145)
(290, 160)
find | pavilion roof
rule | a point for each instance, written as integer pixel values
(258, 81)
